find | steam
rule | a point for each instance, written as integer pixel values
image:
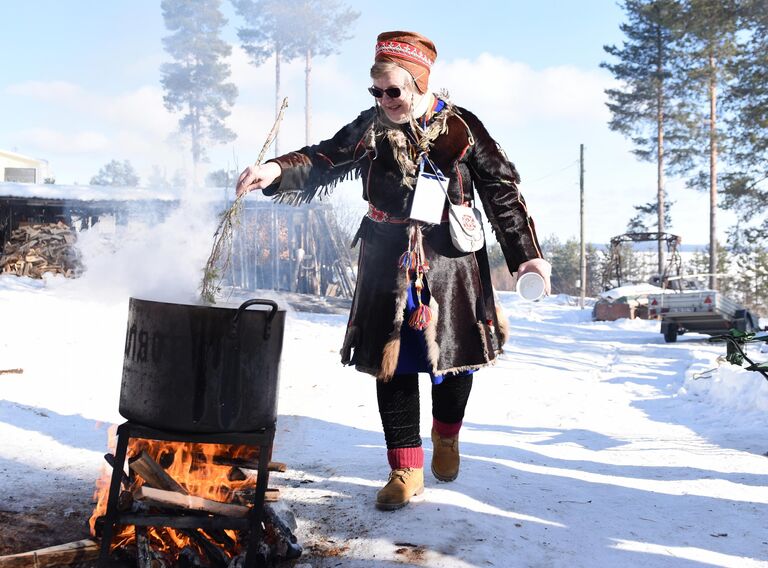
(160, 259)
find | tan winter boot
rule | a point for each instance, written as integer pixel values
(445, 457)
(403, 484)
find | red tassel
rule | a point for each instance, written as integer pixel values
(420, 318)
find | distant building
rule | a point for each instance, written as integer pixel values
(22, 169)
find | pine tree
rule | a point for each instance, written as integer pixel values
(709, 45)
(648, 107)
(269, 30)
(289, 29)
(196, 82)
(646, 213)
(321, 26)
(746, 186)
(117, 174)
(565, 261)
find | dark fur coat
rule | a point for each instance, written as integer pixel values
(467, 330)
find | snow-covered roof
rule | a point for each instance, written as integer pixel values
(85, 192)
(21, 157)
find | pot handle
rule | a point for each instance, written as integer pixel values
(247, 304)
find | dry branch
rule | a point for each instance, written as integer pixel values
(11, 371)
(163, 498)
(221, 251)
(61, 555)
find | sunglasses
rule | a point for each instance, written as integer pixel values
(392, 92)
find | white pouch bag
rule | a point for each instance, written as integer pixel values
(466, 226)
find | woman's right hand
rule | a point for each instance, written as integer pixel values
(258, 177)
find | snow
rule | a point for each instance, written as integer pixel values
(589, 444)
(83, 192)
(631, 291)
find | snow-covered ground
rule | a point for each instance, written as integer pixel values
(590, 444)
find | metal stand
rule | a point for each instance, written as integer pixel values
(261, 438)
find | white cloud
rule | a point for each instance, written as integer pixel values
(518, 94)
(56, 91)
(47, 140)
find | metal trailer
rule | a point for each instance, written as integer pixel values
(700, 311)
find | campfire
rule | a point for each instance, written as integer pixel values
(189, 475)
(181, 481)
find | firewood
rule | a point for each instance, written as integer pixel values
(125, 480)
(163, 498)
(239, 462)
(61, 555)
(33, 250)
(215, 555)
(247, 495)
(154, 475)
(143, 550)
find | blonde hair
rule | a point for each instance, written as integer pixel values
(381, 68)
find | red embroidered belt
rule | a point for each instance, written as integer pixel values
(383, 217)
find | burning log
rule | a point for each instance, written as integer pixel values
(33, 250)
(190, 558)
(125, 480)
(215, 555)
(154, 475)
(143, 550)
(247, 495)
(286, 546)
(61, 555)
(163, 498)
(240, 462)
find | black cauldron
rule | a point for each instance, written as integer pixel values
(194, 368)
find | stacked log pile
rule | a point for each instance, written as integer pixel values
(35, 249)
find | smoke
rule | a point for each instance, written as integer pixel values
(154, 255)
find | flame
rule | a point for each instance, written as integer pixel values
(204, 470)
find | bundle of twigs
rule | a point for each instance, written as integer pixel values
(221, 251)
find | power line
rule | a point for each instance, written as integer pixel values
(553, 173)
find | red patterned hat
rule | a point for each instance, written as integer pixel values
(409, 50)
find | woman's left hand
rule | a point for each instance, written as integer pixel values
(540, 267)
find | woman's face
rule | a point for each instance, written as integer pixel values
(397, 110)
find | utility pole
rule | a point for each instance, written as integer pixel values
(583, 252)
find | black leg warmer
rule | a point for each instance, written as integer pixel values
(399, 409)
(449, 398)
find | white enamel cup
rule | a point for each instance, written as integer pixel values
(530, 286)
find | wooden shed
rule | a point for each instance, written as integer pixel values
(276, 247)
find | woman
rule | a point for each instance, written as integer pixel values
(420, 304)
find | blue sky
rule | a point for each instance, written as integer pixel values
(80, 87)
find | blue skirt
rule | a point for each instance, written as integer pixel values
(413, 345)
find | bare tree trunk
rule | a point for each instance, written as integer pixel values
(307, 108)
(712, 171)
(660, 159)
(277, 95)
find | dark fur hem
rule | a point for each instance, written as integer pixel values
(346, 349)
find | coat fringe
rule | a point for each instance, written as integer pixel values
(306, 195)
